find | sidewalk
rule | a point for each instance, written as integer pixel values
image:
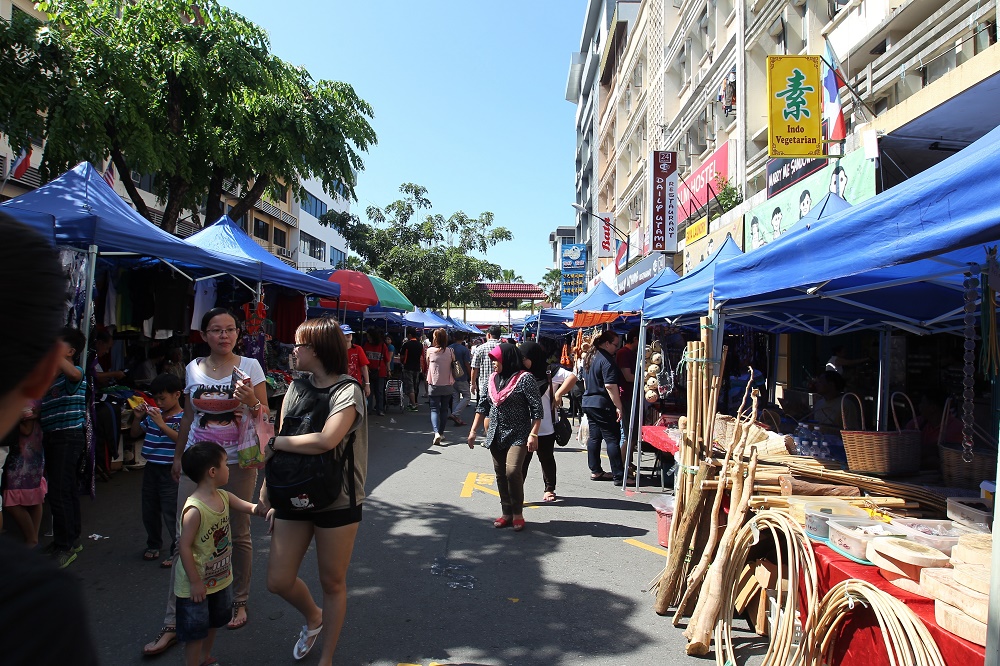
(431, 580)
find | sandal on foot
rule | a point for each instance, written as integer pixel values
(549, 496)
(501, 522)
(518, 524)
(602, 476)
(307, 638)
(237, 605)
(166, 564)
(157, 647)
(151, 554)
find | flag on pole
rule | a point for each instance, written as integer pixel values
(109, 174)
(833, 111)
(21, 164)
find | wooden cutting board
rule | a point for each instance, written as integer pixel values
(974, 576)
(974, 549)
(910, 552)
(891, 567)
(951, 619)
(905, 583)
(940, 584)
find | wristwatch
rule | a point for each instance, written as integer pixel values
(270, 445)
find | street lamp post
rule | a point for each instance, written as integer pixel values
(614, 227)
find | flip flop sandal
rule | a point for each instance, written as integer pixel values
(166, 564)
(549, 497)
(150, 555)
(307, 638)
(166, 646)
(502, 522)
(237, 605)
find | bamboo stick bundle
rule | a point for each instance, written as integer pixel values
(679, 544)
(699, 631)
(761, 503)
(927, 498)
(728, 475)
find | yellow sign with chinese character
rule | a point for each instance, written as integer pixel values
(696, 230)
(795, 107)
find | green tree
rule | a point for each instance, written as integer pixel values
(431, 258)
(190, 93)
(508, 275)
(551, 284)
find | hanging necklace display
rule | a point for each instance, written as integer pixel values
(971, 285)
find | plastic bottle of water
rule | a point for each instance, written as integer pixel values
(824, 448)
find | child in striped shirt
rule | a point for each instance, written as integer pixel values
(64, 439)
(159, 490)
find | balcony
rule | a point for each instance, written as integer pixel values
(283, 253)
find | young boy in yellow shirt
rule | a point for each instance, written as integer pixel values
(202, 584)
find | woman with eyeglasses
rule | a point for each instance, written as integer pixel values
(210, 415)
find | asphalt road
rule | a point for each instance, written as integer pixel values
(431, 580)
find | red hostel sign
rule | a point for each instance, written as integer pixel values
(696, 189)
(663, 188)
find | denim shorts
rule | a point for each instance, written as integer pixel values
(194, 620)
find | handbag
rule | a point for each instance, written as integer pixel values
(562, 427)
(457, 371)
(303, 482)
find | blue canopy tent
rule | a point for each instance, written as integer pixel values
(80, 209)
(558, 319)
(633, 300)
(462, 326)
(690, 294)
(226, 237)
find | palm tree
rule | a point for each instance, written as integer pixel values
(551, 284)
(508, 275)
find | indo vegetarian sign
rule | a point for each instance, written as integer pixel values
(795, 100)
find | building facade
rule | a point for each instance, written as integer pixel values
(319, 247)
(690, 76)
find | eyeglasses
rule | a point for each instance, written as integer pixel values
(219, 331)
(302, 344)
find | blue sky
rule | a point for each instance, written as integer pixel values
(469, 101)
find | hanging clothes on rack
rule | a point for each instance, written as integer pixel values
(204, 300)
(254, 315)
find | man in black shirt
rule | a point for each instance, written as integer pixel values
(603, 407)
(410, 354)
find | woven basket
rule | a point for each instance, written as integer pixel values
(885, 453)
(956, 472)
(724, 428)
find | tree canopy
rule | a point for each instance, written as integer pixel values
(189, 93)
(551, 284)
(429, 258)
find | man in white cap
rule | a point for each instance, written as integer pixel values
(357, 360)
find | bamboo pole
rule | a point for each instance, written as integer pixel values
(679, 546)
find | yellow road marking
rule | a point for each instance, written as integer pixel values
(652, 549)
(467, 487)
(471, 484)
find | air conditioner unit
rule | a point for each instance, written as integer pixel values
(284, 252)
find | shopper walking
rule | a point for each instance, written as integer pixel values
(440, 382)
(514, 408)
(482, 365)
(378, 369)
(602, 406)
(323, 413)
(411, 355)
(461, 396)
(553, 383)
(210, 416)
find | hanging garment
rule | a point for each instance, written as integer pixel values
(253, 346)
(254, 314)
(204, 300)
(111, 301)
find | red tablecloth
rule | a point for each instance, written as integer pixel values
(859, 640)
(657, 437)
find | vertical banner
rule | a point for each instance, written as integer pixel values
(606, 237)
(574, 265)
(795, 106)
(663, 208)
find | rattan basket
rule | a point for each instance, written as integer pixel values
(885, 453)
(956, 472)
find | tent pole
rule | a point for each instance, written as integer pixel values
(882, 404)
(88, 304)
(635, 410)
(993, 623)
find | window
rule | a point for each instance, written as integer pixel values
(337, 257)
(261, 229)
(312, 246)
(144, 181)
(282, 194)
(313, 206)
(280, 237)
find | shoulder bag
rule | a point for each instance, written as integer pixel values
(457, 371)
(562, 427)
(299, 482)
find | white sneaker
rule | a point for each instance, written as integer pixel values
(437, 439)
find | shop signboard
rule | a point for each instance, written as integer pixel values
(852, 176)
(702, 185)
(606, 236)
(641, 272)
(621, 256)
(574, 265)
(696, 230)
(663, 208)
(795, 106)
(782, 173)
(702, 249)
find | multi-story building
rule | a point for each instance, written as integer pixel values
(319, 246)
(561, 236)
(690, 76)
